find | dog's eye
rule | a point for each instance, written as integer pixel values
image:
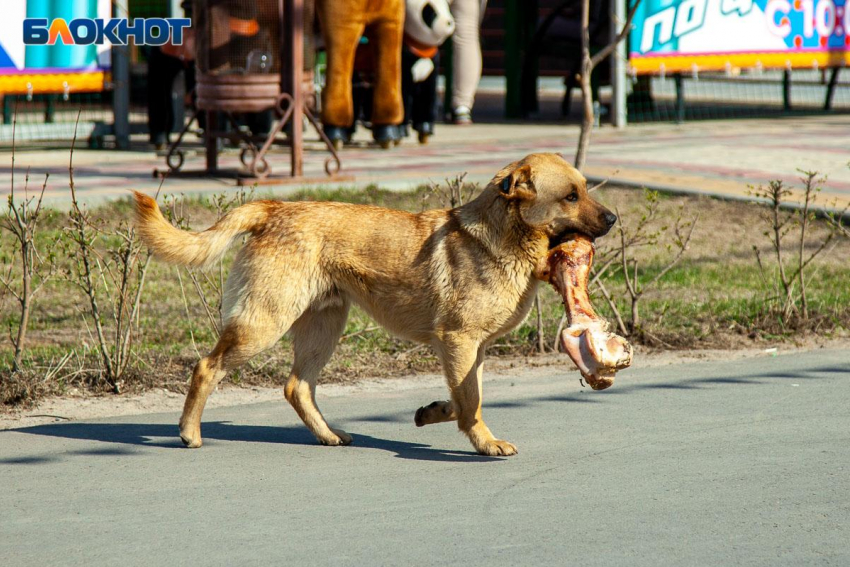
(572, 197)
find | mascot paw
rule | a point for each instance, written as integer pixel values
(338, 135)
(386, 135)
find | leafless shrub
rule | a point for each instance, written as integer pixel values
(21, 219)
(453, 193)
(541, 339)
(623, 258)
(208, 284)
(838, 224)
(38, 379)
(109, 267)
(787, 281)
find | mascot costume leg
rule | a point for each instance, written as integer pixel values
(343, 22)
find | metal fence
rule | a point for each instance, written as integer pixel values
(748, 94)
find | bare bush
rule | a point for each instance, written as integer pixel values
(208, 284)
(453, 193)
(838, 224)
(787, 281)
(21, 220)
(108, 266)
(648, 233)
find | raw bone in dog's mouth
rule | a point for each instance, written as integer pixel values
(597, 352)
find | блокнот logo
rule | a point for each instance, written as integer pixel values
(87, 31)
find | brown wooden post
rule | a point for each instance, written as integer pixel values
(291, 75)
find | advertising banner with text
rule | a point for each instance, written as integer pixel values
(63, 65)
(671, 36)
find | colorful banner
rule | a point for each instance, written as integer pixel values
(671, 36)
(58, 68)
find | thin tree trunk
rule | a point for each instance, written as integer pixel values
(541, 343)
(635, 323)
(610, 300)
(121, 319)
(586, 120)
(588, 63)
(635, 298)
(91, 291)
(557, 339)
(25, 311)
(803, 225)
(78, 220)
(777, 245)
(125, 345)
(586, 94)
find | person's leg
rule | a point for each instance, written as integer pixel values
(260, 123)
(162, 70)
(570, 83)
(466, 52)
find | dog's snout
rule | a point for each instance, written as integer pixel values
(610, 219)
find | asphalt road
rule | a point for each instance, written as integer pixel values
(735, 463)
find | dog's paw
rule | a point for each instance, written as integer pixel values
(190, 435)
(337, 438)
(435, 412)
(419, 418)
(497, 448)
(191, 441)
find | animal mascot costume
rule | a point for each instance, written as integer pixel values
(427, 24)
(343, 22)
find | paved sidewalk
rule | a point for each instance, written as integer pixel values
(713, 157)
(739, 462)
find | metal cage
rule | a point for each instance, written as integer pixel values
(253, 56)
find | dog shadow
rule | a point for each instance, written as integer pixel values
(152, 435)
(165, 436)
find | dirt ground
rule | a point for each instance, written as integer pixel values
(79, 405)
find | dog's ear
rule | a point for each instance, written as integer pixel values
(517, 184)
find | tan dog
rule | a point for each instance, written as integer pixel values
(454, 279)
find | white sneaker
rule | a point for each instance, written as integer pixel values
(462, 115)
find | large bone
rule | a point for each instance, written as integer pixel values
(597, 352)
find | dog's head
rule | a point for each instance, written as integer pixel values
(551, 196)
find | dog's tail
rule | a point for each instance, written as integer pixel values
(193, 249)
